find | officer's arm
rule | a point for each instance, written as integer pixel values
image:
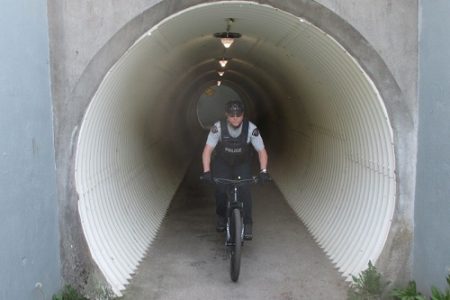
(263, 159)
(206, 158)
(258, 144)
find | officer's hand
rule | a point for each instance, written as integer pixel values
(264, 176)
(206, 177)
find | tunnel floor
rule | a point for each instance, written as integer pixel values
(187, 260)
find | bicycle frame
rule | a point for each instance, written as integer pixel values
(235, 229)
(233, 201)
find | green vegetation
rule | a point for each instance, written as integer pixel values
(68, 293)
(436, 294)
(408, 293)
(369, 285)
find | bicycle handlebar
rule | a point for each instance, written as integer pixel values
(236, 182)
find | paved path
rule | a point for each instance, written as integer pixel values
(187, 260)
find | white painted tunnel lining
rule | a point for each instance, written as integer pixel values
(337, 172)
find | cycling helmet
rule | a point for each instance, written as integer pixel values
(234, 108)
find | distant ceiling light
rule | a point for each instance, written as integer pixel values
(220, 73)
(219, 82)
(223, 62)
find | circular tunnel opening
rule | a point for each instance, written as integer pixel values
(211, 103)
(325, 125)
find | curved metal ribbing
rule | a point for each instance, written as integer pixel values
(345, 194)
(336, 167)
(123, 182)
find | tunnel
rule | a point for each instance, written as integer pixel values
(323, 119)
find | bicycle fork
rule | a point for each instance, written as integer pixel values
(230, 207)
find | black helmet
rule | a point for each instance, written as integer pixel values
(234, 107)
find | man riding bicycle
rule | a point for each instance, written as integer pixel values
(230, 141)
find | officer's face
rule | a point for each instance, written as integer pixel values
(235, 120)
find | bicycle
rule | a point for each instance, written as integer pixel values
(234, 239)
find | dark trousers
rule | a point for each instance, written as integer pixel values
(222, 169)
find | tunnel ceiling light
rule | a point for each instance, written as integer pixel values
(219, 82)
(220, 73)
(227, 38)
(223, 62)
(227, 42)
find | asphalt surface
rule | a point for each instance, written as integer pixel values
(188, 261)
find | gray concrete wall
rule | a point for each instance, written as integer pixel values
(432, 208)
(29, 251)
(391, 28)
(81, 57)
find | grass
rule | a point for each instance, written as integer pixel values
(369, 285)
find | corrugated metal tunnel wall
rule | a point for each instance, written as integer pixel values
(327, 131)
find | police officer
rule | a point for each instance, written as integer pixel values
(230, 141)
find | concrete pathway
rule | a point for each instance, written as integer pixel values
(188, 261)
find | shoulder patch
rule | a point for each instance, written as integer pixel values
(214, 129)
(255, 132)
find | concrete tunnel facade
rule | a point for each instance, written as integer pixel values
(326, 103)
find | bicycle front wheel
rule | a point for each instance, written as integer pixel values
(235, 230)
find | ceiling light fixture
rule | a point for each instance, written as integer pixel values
(227, 38)
(223, 62)
(220, 73)
(227, 41)
(219, 82)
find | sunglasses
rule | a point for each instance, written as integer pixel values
(235, 114)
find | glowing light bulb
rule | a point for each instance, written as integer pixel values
(223, 62)
(219, 82)
(227, 41)
(220, 73)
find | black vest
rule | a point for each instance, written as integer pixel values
(234, 150)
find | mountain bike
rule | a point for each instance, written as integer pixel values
(234, 239)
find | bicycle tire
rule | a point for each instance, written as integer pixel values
(235, 230)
